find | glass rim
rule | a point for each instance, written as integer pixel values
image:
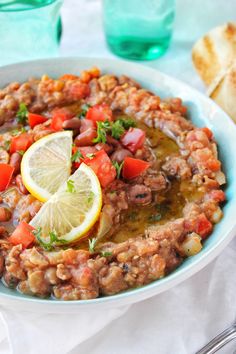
(28, 9)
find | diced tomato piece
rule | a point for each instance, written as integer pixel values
(208, 132)
(59, 116)
(66, 77)
(133, 139)
(21, 142)
(86, 124)
(203, 226)
(217, 194)
(78, 90)
(134, 167)
(35, 119)
(99, 113)
(86, 138)
(103, 167)
(22, 235)
(84, 150)
(6, 173)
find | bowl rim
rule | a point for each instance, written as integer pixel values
(157, 286)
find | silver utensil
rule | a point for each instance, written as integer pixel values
(219, 341)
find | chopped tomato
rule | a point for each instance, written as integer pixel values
(203, 226)
(66, 77)
(208, 132)
(22, 235)
(86, 124)
(59, 115)
(133, 139)
(102, 166)
(217, 195)
(99, 113)
(86, 138)
(35, 119)
(6, 172)
(78, 90)
(21, 142)
(134, 167)
(84, 150)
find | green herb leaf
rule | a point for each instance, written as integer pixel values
(106, 254)
(21, 152)
(84, 109)
(92, 244)
(117, 129)
(70, 186)
(155, 217)
(126, 122)
(118, 168)
(54, 240)
(15, 132)
(90, 156)
(77, 156)
(22, 114)
(6, 145)
(102, 128)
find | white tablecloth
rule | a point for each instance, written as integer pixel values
(182, 319)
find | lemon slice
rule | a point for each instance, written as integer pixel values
(73, 209)
(46, 165)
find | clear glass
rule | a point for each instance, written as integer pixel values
(29, 29)
(138, 29)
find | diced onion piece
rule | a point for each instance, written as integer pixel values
(220, 178)
(217, 216)
(192, 244)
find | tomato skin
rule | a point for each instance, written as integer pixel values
(59, 115)
(21, 142)
(208, 132)
(22, 235)
(66, 77)
(6, 173)
(133, 139)
(99, 113)
(217, 195)
(84, 151)
(134, 167)
(35, 119)
(78, 90)
(203, 226)
(103, 167)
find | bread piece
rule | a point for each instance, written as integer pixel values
(214, 53)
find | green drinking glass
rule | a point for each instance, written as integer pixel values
(138, 29)
(29, 29)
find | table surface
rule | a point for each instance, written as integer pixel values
(83, 36)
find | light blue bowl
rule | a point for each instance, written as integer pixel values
(203, 112)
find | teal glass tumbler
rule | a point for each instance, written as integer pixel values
(29, 29)
(138, 29)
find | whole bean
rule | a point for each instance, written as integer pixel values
(120, 154)
(20, 185)
(5, 214)
(73, 123)
(15, 161)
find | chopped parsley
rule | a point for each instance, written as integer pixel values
(70, 186)
(77, 156)
(90, 156)
(54, 240)
(22, 114)
(154, 217)
(6, 145)
(84, 109)
(21, 152)
(118, 168)
(92, 244)
(117, 129)
(106, 254)
(126, 122)
(15, 132)
(102, 128)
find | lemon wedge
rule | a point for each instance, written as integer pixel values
(46, 165)
(73, 209)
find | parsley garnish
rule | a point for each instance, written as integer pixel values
(90, 156)
(154, 217)
(92, 244)
(84, 109)
(70, 186)
(118, 168)
(76, 156)
(22, 114)
(106, 254)
(117, 129)
(126, 122)
(6, 145)
(21, 152)
(102, 128)
(48, 246)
